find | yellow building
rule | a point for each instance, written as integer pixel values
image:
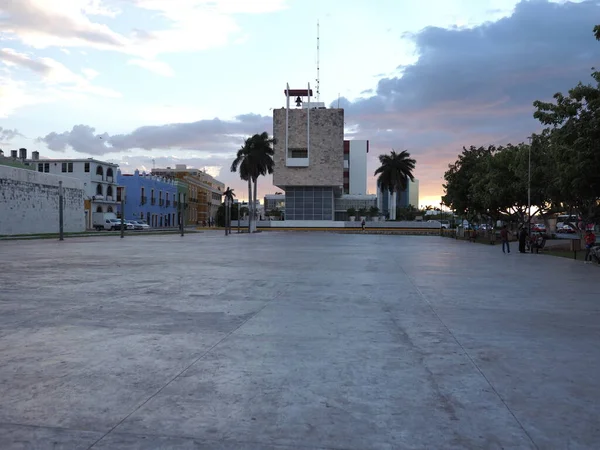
(204, 192)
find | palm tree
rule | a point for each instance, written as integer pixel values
(395, 171)
(243, 163)
(228, 194)
(254, 159)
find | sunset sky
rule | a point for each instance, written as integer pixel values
(184, 81)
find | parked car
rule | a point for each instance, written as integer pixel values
(143, 225)
(565, 228)
(133, 225)
(538, 227)
(445, 224)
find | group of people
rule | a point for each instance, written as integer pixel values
(534, 242)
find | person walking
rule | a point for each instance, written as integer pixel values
(362, 224)
(504, 238)
(590, 241)
(522, 239)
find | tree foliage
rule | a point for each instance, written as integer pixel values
(395, 171)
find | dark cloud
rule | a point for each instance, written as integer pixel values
(472, 75)
(214, 135)
(7, 135)
(476, 86)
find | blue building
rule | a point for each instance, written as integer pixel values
(150, 198)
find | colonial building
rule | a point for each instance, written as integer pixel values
(99, 180)
(204, 192)
(150, 198)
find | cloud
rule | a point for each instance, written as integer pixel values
(185, 25)
(468, 83)
(60, 23)
(215, 136)
(15, 95)
(54, 73)
(7, 135)
(158, 67)
(468, 86)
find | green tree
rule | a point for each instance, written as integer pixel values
(572, 137)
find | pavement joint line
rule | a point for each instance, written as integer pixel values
(185, 369)
(428, 303)
(48, 427)
(231, 441)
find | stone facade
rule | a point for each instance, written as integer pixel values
(326, 153)
(29, 202)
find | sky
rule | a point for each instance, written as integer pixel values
(148, 83)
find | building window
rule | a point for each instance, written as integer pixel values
(152, 199)
(109, 191)
(109, 209)
(86, 167)
(64, 167)
(99, 190)
(99, 209)
(46, 167)
(40, 167)
(100, 171)
(109, 172)
(298, 153)
(70, 167)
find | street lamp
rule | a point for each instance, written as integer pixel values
(529, 189)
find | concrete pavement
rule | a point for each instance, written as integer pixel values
(295, 340)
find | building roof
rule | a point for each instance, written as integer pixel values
(45, 160)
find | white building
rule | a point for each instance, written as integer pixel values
(355, 167)
(99, 180)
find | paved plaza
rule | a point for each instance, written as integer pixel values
(295, 341)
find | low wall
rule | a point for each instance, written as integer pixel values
(29, 202)
(339, 224)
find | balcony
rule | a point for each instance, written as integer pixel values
(168, 203)
(174, 204)
(144, 200)
(152, 201)
(296, 162)
(161, 202)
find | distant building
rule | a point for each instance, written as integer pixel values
(99, 180)
(309, 156)
(204, 192)
(16, 159)
(150, 198)
(274, 201)
(355, 167)
(409, 196)
(358, 202)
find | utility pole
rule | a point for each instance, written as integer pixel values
(122, 212)
(239, 210)
(226, 213)
(183, 215)
(60, 211)
(529, 190)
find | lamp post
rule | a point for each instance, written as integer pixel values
(529, 190)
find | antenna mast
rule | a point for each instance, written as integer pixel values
(318, 48)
